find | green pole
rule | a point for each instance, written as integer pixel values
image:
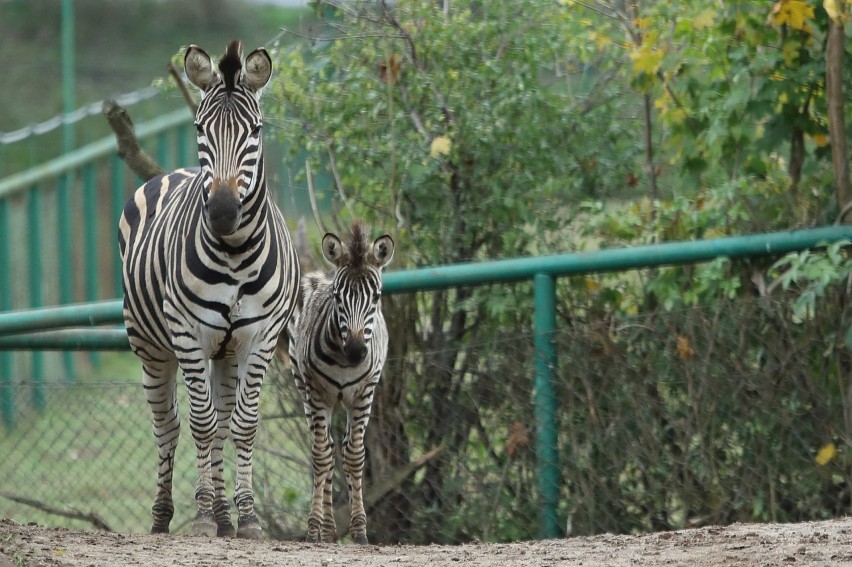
(547, 455)
(183, 133)
(34, 245)
(66, 252)
(7, 399)
(163, 149)
(117, 197)
(90, 205)
(68, 103)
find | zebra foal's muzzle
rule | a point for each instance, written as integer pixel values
(223, 207)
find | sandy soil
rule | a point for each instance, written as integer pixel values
(815, 543)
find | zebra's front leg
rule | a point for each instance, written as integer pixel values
(354, 456)
(223, 379)
(203, 423)
(244, 421)
(159, 383)
(321, 525)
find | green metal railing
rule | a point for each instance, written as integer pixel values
(48, 328)
(69, 207)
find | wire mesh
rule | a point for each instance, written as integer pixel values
(710, 415)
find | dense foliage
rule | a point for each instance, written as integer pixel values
(473, 130)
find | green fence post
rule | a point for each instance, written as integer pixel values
(35, 277)
(183, 133)
(547, 455)
(117, 199)
(163, 149)
(7, 396)
(90, 237)
(66, 255)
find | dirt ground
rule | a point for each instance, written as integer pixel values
(814, 543)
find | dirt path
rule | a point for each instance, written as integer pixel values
(814, 543)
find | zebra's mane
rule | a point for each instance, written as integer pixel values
(231, 65)
(357, 246)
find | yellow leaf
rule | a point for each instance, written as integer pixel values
(590, 284)
(821, 140)
(646, 60)
(440, 146)
(832, 10)
(704, 19)
(684, 349)
(826, 454)
(793, 13)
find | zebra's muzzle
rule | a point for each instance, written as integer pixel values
(355, 349)
(223, 210)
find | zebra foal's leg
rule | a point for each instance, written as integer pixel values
(203, 424)
(354, 456)
(159, 382)
(223, 380)
(321, 526)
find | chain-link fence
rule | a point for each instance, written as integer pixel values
(735, 412)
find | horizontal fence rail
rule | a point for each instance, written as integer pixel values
(37, 329)
(24, 329)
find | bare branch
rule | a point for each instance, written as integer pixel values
(134, 156)
(187, 94)
(71, 513)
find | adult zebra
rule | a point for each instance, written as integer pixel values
(338, 345)
(210, 281)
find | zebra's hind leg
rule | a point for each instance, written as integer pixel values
(159, 383)
(354, 456)
(223, 381)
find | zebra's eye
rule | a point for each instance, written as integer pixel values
(200, 129)
(377, 296)
(256, 130)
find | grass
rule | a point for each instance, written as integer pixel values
(92, 450)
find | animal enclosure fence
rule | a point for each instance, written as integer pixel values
(664, 419)
(667, 419)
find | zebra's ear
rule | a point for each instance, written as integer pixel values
(332, 249)
(258, 70)
(199, 68)
(383, 249)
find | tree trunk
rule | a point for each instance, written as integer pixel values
(834, 100)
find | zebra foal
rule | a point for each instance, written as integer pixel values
(210, 280)
(338, 346)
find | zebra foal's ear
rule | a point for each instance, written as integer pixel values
(199, 67)
(332, 249)
(258, 69)
(383, 250)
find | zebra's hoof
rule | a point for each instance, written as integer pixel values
(204, 525)
(312, 539)
(226, 530)
(249, 528)
(155, 529)
(360, 539)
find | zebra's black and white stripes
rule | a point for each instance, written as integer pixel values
(338, 346)
(210, 281)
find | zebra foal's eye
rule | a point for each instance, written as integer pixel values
(256, 130)
(377, 296)
(199, 128)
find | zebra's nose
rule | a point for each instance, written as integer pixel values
(355, 350)
(223, 210)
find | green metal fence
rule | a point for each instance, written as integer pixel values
(58, 223)
(37, 329)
